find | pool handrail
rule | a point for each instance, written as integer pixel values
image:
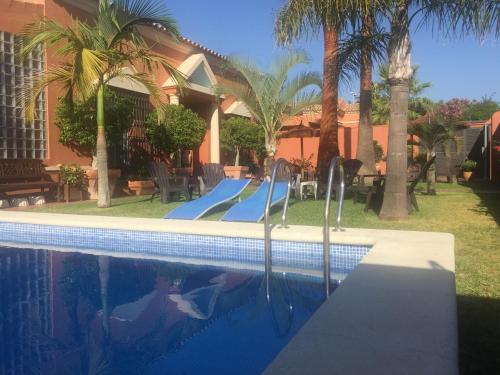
(326, 220)
(267, 224)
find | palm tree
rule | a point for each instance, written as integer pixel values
(418, 105)
(356, 55)
(302, 18)
(433, 133)
(273, 95)
(450, 16)
(94, 54)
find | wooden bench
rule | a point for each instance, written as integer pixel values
(23, 176)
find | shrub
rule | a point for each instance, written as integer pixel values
(238, 134)
(73, 175)
(78, 124)
(178, 128)
(379, 151)
(137, 169)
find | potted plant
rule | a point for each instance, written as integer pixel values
(468, 167)
(237, 135)
(139, 181)
(74, 179)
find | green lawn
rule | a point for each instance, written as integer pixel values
(471, 213)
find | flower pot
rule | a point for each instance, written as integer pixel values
(72, 193)
(141, 187)
(113, 176)
(467, 175)
(236, 172)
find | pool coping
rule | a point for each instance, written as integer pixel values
(395, 313)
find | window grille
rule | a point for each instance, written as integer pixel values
(20, 138)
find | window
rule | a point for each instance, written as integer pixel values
(19, 138)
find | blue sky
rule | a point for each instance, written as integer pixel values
(460, 68)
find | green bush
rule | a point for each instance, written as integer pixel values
(137, 169)
(240, 134)
(178, 128)
(78, 124)
(379, 152)
(73, 175)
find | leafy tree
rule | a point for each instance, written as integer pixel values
(453, 109)
(272, 95)
(78, 124)
(480, 110)
(239, 134)
(417, 104)
(449, 17)
(174, 128)
(366, 43)
(94, 53)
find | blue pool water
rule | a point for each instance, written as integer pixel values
(74, 313)
(199, 308)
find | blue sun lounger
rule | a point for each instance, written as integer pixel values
(225, 191)
(252, 208)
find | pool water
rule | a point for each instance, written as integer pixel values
(76, 313)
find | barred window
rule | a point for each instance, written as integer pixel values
(19, 138)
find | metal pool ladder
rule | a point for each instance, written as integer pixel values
(267, 224)
(326, 220)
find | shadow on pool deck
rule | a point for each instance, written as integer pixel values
(479, 322)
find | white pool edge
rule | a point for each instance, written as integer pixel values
(395, 313)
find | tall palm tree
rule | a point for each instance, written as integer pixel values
(358, 50)
(93, 54)
(450, 16)
(303, 18)
(418, 105)
(273, 95)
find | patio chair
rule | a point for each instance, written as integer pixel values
(213, 173)
(351, 168)
(166, 185)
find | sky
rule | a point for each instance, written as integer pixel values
(463, 68)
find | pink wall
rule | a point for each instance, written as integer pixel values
(495, 142)
(289, 148)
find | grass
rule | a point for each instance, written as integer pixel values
(471, 213)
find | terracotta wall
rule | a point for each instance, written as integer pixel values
(495, 148)
(15, 14)
(289, 148)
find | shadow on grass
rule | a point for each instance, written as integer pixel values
(489, 195)
(479, 333)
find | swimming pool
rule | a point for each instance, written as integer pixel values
(199, 307)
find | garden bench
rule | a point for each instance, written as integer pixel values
(23, 176)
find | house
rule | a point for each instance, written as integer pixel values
(19, 138)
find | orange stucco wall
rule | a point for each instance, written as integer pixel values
(289, 148)
(15, 14)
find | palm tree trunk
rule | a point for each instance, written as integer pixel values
(394, 206)
(431, 175)
(366, 152)
(270, 152)
(329, 142)
(103, 196)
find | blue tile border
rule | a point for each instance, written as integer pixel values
(302, 255)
